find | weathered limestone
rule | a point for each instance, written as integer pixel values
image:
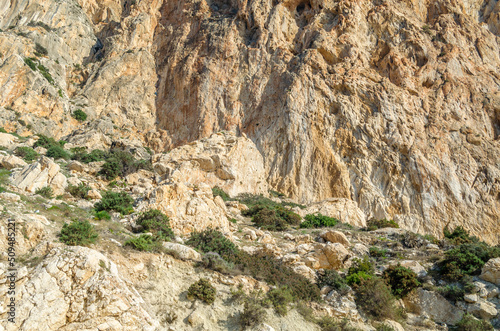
(44, 172)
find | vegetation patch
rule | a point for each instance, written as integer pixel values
(378, 252)
(79, 191)
(318, 221)
(78, 233)
(359, 271)
(79, 115)
(115, 201)
(374, 297)
(402, 280)
(374, 224)
(459, 236)
(57, 152)
(102, 215)
(28, 154)
(157, 223)
(120, 163)
(144, 242)
(202, 290)
(217, 191)
(330, 277)
(80, 154)
(45, 192)
(470, 323)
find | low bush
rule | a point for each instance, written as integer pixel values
(203, 291)
(45, 192)
(466, 259)
(45, 142)
(374, 297)
(78, 233)
(115, 201)
(328, 323)
(384, 327)
(217, 191)
(378, 252)
(157, 223)
(331, 277)
(80, 154)
(280, 298)
(57, 152)
(102, 215)
(374, 224)
(79, 191)
(470, 323)
(121, 163)
(453, 292)
(214, 261)
(144, 242)
(275, 218)
(79, 115)
(359, 271)
(253, 313)
(211, 240)
(459, 236)
(318, 221)
(28, 154)
(402, 280)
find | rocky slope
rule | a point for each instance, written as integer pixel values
(392, 105)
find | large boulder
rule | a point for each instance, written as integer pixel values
(491, 271)
(433, 304)
(335, 237)
(183, 252)
(43, 173)
(11, 162)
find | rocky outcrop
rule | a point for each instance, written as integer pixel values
(76, 288)
(344, 210)
(232, 163)
(43, 173)
(11, 162)
(434, 305)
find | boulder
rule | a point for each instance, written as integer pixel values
(11, 162)
(6, 196)
(335, 237)
(491, 271)
(433, 304)
(336, 255)
(184, 252)
(94, 195)
(43, 173)
(6, 140)
(483, 309)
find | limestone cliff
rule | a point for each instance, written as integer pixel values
(391, 104)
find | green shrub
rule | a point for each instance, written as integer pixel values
(378, 252)
(211, 240)
(30, 63)
(459, 236)
(275, 218)
(328, 323)
(402, 280)
(102, 215)
(331, 277)
(79, 191)
(203, 291)
(374, 224)
(453, 292)
(27, 153)
(359, 271)
(253, 313)
(78, 233)
(217, 191)
(157, 223)
(79, 115)
(45, 192)
(214, 261)
(80, 154)
(45, 142)
(144, 242)
(466, 259)
(57, 152)
(117, 201)
(318, 221)
(280, 298)
(40, 49)
(470, 323)
(374, 297)
(120, 163)
(384, 327)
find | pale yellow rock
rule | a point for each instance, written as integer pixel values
(11, 162)
(336, 237)
(6, 140)
(491, 271)
(345, 210)
(434, 305)
(184, 252)
(94, 195)
(44, 172)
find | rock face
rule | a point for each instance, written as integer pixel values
(40, 174)
(434, 305)
(11, 162)
(70, 285)
(391, 105)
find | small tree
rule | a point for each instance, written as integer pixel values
(202, 290)
(402, 280)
